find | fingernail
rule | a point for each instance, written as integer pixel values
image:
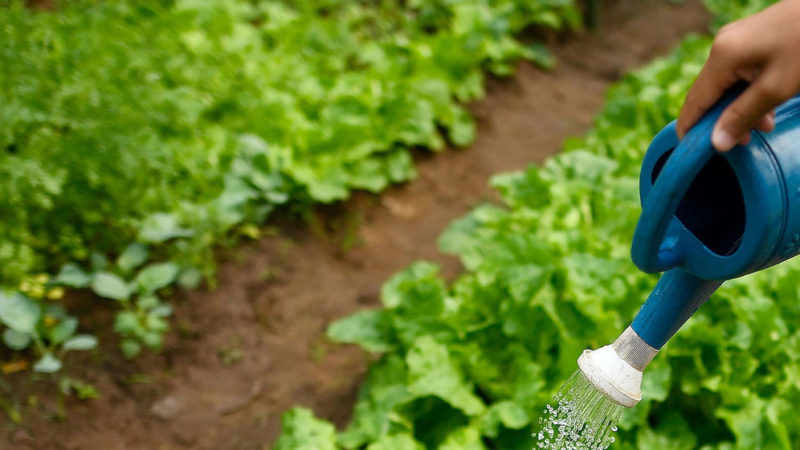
(722, 140)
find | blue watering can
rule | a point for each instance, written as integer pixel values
(706, 217)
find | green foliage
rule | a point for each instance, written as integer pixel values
(46, 329)
(147, 131)
(471, 365)
(19, 313)
(302, 431)
(142, 320)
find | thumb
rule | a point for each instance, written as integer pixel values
(746, 112)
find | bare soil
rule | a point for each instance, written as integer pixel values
(242, 353)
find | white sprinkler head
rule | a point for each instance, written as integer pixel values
(616, 369)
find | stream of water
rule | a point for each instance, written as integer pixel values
(583, 418)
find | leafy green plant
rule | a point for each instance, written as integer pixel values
(139, 132)
(47, 329)
(305, 432)
(470, 365)
(143, 318)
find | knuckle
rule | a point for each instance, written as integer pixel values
(773, 93)
(737, 117)
(722, 45)
(726, 44)
(730, 27)
(725, 29)
(783, 92)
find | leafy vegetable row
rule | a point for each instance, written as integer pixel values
(136, 136)
(472, 364)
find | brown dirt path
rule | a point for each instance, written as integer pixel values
(245, 352)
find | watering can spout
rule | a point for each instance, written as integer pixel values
(675, 298)
(616, 369)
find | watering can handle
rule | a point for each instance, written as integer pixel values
(652, 250)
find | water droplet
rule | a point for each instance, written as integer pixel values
(583, 419)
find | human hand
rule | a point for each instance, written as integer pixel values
(764, 50)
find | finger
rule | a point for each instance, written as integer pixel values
(767, 122)
(706, 90)
(732, 59)
(746, 112)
